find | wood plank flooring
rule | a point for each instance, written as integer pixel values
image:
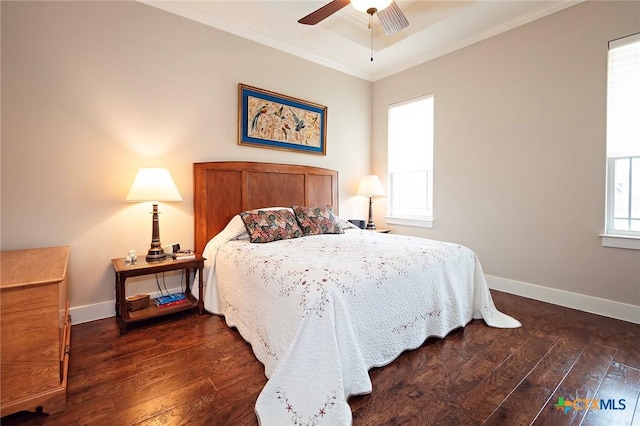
(192, 369)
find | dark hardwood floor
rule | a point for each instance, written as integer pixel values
(191, 369)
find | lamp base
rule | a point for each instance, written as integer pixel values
(370, 224)
(156, 255)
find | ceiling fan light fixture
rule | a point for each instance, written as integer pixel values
(365, 5)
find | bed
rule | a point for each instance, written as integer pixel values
(321, 310)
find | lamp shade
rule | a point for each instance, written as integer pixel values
(153, 184)
(364, 5)
(370, 186)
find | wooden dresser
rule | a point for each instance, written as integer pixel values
(35, 330)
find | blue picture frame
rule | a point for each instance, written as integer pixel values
(270, 120)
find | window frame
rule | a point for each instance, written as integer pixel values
(426, 221)
(613, 237)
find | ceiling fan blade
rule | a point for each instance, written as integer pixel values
(392, 19)
(324, 12)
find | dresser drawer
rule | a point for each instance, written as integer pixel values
(29, 324)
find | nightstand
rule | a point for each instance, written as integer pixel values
(124, 270)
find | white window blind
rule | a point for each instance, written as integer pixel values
(623, 137)
(410, 161)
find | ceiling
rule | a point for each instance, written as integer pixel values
(343, 41)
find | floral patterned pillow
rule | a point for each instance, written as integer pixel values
(317, 220)
(265, 226)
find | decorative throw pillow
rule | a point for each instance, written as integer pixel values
(317, 220)
(265, 226)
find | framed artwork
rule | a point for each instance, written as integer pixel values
(271, 120)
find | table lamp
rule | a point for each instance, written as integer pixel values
(371, 187)
(154, 185)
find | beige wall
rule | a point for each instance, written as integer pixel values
(91, 91)
(520, 150)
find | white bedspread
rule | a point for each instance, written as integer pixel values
(320, 311)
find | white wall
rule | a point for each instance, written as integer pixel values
(520, 151)
(91, 91)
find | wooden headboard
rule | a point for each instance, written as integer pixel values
(224, 189)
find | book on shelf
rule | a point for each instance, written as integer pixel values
(170, 297)
(170, 300)
(174, 303)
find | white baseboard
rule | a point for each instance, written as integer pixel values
(98, 311)
(88, 313)
(594, 305)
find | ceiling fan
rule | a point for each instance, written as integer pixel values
(388, 11)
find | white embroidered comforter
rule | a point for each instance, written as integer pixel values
(320, 311)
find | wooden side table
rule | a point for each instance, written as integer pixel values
(124, 270)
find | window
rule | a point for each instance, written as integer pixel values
(410, 162)
(623, 138)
